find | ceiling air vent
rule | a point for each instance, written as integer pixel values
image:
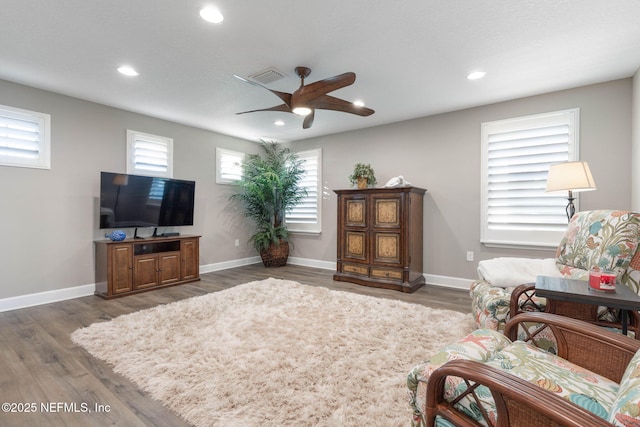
(267, 76)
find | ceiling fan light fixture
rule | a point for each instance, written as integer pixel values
(476, 75)
(128, 71)
(211, 14)
(358, 103)
(302, 111)
(308, 98)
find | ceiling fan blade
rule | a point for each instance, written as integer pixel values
(282, 107)
(306, 93)
(308, 120)
(327, 102)
(285, 97)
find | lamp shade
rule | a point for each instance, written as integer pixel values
(572, 176)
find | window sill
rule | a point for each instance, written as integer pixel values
(521, 245)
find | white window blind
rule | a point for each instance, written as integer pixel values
(228, 166)
(149, 154)
(24, 138)
(517, 154)
(305, 217)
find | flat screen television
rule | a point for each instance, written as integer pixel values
(145, 201)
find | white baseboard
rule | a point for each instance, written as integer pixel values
(305, 262)
(229, 264)
(448, 282)
(30, 300)
(431, 279)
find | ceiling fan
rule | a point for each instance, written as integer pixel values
(306, 99)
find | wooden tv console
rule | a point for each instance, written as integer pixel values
(138, 265)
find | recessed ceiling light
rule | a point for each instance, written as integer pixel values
(476, 75)
(278, 123)
(358, 103)
(211, 14)
(128, 71)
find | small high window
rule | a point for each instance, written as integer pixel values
(24, 138)
(228, 166)
(150, 155)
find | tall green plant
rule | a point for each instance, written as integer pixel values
(270, 187)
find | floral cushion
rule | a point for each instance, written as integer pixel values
(490, 305)
(569, 381)
(565, 379)
(480, 345)
(625, 410)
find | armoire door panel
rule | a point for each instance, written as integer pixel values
(387, 248)
(387, 212)
(355, 245)
(356, 213)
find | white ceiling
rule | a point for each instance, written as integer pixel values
(410, 56)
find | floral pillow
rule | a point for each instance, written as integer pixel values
(625, 410)
(600, 239)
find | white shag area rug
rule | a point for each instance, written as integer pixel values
(277, 353)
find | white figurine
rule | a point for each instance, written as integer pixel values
(397, 181)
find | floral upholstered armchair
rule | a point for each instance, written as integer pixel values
(592, 377)
(598, 239)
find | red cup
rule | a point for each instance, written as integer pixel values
(602, 280)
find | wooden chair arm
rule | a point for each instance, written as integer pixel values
(592, 347)
(515, 306)
(518, 403)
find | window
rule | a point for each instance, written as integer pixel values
(516, 155)
(24, 138)
(228, 166)
(305, 217)
(150, 155)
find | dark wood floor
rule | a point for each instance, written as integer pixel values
(43, 371)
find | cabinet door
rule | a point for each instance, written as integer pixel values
(354, 245)
(145, 271)
(169, 267)
(120, 269)
(386, 232)
(387, 211)
(355, 211)
(190, 259)
(387, 247)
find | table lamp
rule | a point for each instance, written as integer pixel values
(572, 176)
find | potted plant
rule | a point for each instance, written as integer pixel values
(270, 186)
(363, 175)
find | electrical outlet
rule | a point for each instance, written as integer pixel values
(469, 255)
(237, 243)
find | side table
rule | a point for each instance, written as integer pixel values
(574, 298)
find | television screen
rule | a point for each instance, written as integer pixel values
(145, 201)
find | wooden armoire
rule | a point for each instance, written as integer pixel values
(380, 237)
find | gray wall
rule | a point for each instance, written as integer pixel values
(49, 217)
(635, 150)
(442, 154)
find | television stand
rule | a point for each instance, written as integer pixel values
(143, 264)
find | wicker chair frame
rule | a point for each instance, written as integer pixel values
(520, 403)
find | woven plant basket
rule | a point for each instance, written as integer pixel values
(275, 256)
